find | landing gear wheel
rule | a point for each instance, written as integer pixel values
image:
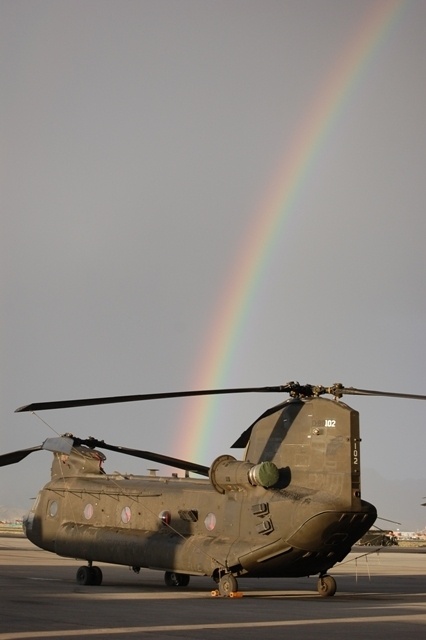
(227, 584)
(96, 576)
(89, 576)
(84, 575)
(326, 586)
(173, 579)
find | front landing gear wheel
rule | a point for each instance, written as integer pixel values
(84, 575)
(227, 584)
(89, 576)
(96, 576)
(326, 586)
(173, 579)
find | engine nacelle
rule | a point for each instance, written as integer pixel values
(229, 474)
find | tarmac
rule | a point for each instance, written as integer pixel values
(379, 595)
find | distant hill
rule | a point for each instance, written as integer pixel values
(10, 514)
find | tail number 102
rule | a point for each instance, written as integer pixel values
(355, 453)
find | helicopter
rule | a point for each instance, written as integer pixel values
(291, 507)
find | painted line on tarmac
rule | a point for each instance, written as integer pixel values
(47, 579)
(69, 633)
(173, 595)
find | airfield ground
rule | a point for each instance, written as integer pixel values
(380, 595)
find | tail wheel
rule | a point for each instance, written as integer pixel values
(227, 584)
(326, 586)
(173, 579)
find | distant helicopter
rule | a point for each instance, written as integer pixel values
(292, 507)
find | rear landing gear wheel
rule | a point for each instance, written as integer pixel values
(173, 579)
(227, 584)
(326, 586)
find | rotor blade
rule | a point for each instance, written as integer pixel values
(147, 455)
(61, 444)
(16, 456)
(243, 440)
(351, 391)
(86, 402)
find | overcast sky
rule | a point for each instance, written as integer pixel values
(140, 140)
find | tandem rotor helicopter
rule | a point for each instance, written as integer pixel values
(291, 507)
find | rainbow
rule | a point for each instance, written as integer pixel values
(267, 225)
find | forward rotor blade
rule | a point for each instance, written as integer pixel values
(16, 456)
(86, 402)
(64, 445)
(61, 444)
(147, 455)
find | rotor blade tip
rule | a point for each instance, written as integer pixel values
(23, 408)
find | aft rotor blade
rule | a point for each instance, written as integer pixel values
(148, 455)
(351, 391)
(294, 388)
(16, 456)
(87, 402)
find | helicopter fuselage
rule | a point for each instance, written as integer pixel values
(302, 525)
(132, 521)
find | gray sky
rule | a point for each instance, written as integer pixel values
(139, 142)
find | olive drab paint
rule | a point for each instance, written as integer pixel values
(303, 524)
(292, 506)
